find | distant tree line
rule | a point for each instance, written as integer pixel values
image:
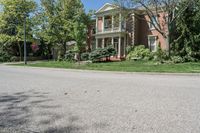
(49, 25)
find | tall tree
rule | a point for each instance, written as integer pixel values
(60, 18)
(12, 19)
(187, 40)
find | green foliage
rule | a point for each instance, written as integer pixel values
(177, 59)
(62, 21)
(187, 40)
(53, 23)
(124, 66)
(160, 55)
(12, 17)
(79, 35)
(101, 53)
(69, 55)
(96, 55)
(129, 48)
(110, 51)
(4, 56)
(13, 59)
(85, 56)
(139, 52)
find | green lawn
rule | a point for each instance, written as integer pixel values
(125, 66)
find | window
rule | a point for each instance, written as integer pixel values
(108, 22)
(124, 24)
(116, 39)
(152, 43)
(116, 21)
(153, 22)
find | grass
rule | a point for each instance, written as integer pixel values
(125, 66)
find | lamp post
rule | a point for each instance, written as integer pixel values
(25, 56)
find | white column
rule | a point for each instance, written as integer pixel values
(103, 23)
(103, 42)
(112, 42)
(96, 24)
(112, 23)
(119, 47)
(125, 46)
(97, 43)
(120, 22)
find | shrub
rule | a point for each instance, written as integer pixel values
(14, 58)
(177, 59)
(139, 52)
(60, 58)
(110, 51)
(188, 58)
(69, 55)
(96, 55)
(129, 48)
(85, 56)
(100, 53)
(34, 47)
(160, 55)
(4, 56)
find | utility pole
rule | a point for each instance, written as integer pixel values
(25, 56)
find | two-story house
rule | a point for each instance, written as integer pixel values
(121, 29)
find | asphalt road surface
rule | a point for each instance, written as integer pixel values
(42, 100)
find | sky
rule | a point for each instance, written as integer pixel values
(93, 4)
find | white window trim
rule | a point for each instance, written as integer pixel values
(149, 45)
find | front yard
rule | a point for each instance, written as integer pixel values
(125, 66)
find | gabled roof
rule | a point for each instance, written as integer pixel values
(106, 7)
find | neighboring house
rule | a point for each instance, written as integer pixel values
(112, 28)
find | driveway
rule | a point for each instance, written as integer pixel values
(42, 100)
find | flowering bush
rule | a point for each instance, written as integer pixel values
(34, 47)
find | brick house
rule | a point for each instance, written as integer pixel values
(112, 27)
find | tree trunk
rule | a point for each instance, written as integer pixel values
(168, 37)
(20, 51)
(167, 43)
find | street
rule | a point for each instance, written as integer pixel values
(44, 100)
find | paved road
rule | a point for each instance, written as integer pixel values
(34, 100)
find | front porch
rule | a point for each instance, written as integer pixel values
(118, 42)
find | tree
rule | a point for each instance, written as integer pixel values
(82, 23)
(157, 10)
(60, 18)
(89, 25)
(79, 35)
(187, 40)
(12, 20)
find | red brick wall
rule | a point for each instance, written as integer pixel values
(100, 23)
(145, 31)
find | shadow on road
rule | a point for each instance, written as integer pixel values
(17, 114)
